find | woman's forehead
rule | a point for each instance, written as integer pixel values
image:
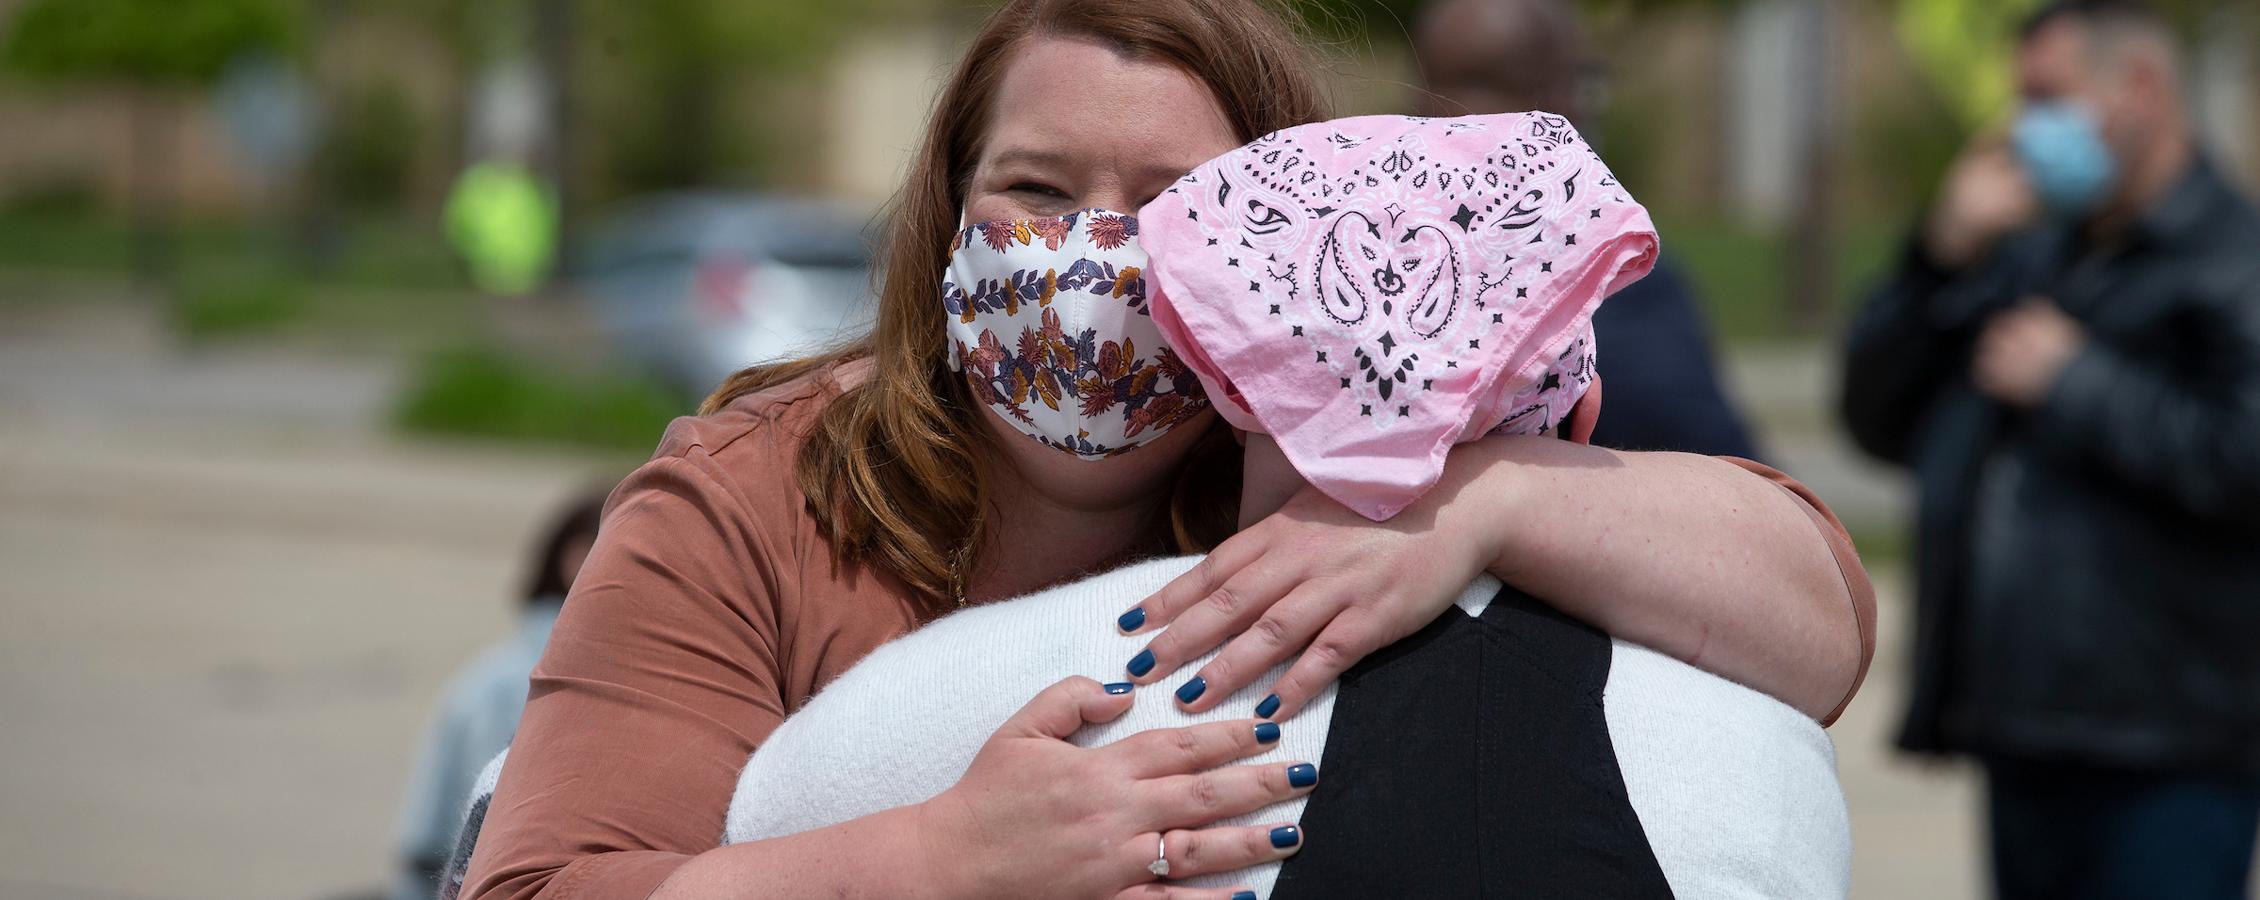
(1070, 102)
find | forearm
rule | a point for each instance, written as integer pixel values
(877, 856)
(1690, 555)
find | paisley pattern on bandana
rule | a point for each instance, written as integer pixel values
(1371, 290)
(1049, 321)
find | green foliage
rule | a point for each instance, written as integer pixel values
(486, 393)
(145, 41)
(234, 302)
(56, 194)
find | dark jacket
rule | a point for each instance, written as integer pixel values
(2088, 572)
(1659, 390)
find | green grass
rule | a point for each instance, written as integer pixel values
(483, 392)
(224, 303)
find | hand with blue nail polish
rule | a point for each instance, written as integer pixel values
(1024, 817)
(1315, 583)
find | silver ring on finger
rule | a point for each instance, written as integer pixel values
(1160, 865)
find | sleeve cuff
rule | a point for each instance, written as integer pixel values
(620, 875)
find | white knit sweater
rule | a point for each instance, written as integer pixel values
(1736, 792)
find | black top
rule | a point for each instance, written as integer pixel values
(2088, 572)
(1533, 806)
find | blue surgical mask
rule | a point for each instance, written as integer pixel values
(2061, 147)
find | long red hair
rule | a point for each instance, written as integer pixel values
(892, 469)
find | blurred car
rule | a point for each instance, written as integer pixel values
(692, 287)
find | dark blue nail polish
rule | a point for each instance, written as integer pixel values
(1131, 620)
(1119, 687)
(1286, 836)
(1267, 707)
(1267, 732)
(1244, 895)
(1191, 690)
(1141, 663)
(1302, 775)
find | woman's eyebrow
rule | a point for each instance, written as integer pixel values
(1030, 156)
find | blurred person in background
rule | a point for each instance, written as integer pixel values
(2068, 357)
(478, 713)
(1492, 56)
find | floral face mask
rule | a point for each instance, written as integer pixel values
(1051, 330)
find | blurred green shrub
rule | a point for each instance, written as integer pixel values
(143, 41)
(235, 302)
(52, 195)
(484, 392)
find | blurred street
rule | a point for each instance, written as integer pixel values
(229, 602)
(231, 596)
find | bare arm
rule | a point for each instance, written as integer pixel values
(841, 861)
(1723, 563)
(1700, 558)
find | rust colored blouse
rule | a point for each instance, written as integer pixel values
(709, 610)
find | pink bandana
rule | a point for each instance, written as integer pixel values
(1370, 291)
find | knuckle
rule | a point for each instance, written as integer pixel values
(1331, 651)
(1207, 794)
(1217, 672)
(1198, 851)
(1204, 572)
(1271, 631)
(1185, 744)
(1227, 601)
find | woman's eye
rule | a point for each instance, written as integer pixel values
(1031, 187)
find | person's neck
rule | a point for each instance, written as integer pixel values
(1267, 479)
(2149, 180)
(1036, 541)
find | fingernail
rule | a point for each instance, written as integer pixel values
(1132, 619)
(1191, 690)
(1267, 732)
(1286, 836)
(1302, 775)
(1141, 663)
(1119, 687)
(1267, 707)
(1244, 895)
